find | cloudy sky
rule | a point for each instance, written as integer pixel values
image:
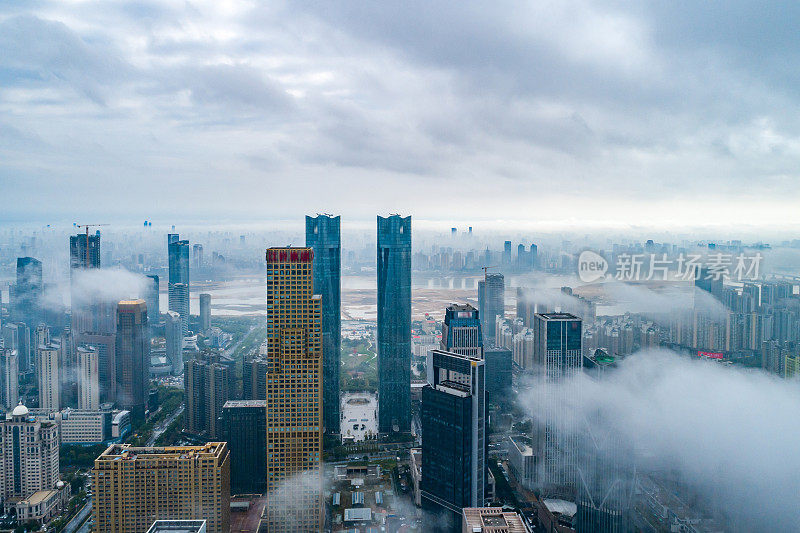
(662, 113)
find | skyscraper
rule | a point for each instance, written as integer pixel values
(461, 331)
(294, 393)
(244, 426)
(507, 253)
(29, 458)
(207, 384)
(498, 373)
(205, 311)
(197, 255)
(557, 356)
(453, 434)
(106, 346)
(84, 253)
(178, 252)
(88, 378)
(48, 358)
(26, 293)
(394, 324)
(254, 378)
(132, 358)
(491, 304)
(153, 299)
(323, 236)
(174, 341)
(9, 379)
(135, 486)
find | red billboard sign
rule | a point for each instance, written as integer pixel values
(710, 355)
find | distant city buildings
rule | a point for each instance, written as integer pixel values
(323, 235)
(294, 393)
(394, 324)
(133, 486)
(26, 294)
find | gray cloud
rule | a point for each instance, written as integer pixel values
(517, 103)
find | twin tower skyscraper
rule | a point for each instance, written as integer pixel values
(323, 235)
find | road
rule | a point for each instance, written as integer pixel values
(229, 352)
(80, 522)
(157, 431)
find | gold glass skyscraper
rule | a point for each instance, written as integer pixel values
(294, 393)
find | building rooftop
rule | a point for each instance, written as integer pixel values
(561, 507)
(360, 514)
(492, 520)
(116, 452)
(558, 316)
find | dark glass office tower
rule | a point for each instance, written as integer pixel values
(491, 303)
(394, 324)
(244, 425)
(132, 358)
(323, 234)
(87, 315)
(453, 435)
(498, 373)
(557, 356)
(179, 279)
(26, 294)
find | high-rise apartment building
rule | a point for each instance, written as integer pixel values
(254, 378)
(208, 384)
(9, 379)
(244, 428)
(173, 335)
(323, 235)
(132, 358)
(394, 324)
(88, 378)
(49, 358)
(491, 304)
(294, 393)
(106, 346)
(205, 311)
(461, 331)
(453, 434)
(179, 280)
(133, 487)
(557, 356)
(29, 457)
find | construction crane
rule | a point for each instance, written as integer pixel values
(87, 226)
(485, 269)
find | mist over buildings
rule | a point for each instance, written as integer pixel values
(728, 433)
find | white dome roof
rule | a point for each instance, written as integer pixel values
(19, 410)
